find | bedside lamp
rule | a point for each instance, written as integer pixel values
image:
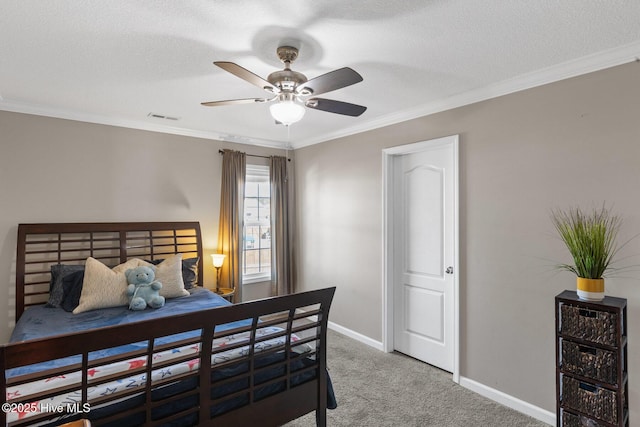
(218, 260)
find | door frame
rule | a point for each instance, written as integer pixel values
(388, 156)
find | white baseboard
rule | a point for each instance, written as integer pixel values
(483, 390)
(509, 401)
(356, 336)
(351, 334)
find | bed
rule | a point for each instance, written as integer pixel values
(199, 360)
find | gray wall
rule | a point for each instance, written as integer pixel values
(575, 142)
(61, 170)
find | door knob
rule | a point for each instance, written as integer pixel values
(449, 270)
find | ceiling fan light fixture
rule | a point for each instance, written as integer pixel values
(287, 112)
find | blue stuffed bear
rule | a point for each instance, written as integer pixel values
(143, 289)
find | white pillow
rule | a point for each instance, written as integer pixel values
(169, 273)
(104, 287)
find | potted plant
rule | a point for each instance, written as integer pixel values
(590, 238)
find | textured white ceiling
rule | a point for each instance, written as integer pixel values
(116, 61)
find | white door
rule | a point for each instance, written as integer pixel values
(424, 252)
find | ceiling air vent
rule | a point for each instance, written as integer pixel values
(162, 116)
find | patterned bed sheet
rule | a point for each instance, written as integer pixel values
(63, 402)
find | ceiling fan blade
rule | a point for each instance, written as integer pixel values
(332, 80)
(246, 75)
(338, 107)
(234, 102)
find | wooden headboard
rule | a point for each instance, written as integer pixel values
(42, 245)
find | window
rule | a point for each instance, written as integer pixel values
(256, 248)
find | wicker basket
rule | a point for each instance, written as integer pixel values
(591, 325)
(591, 362)
(589, 399)
(573, 420)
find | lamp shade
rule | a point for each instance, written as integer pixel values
(218, 260)
(287, 112)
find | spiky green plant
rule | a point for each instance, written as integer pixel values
(590, 238)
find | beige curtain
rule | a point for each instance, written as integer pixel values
(282, 261)
(234, 166)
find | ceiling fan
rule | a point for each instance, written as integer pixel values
(293, 91)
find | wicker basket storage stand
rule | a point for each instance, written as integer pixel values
(591, 362)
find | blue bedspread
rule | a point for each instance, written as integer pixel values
(41, 321)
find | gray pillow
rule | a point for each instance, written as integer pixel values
(190, 272)
(58, 273)
(72, 285)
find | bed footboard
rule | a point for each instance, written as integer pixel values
(261, 360)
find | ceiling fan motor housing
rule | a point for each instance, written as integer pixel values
(287, 79)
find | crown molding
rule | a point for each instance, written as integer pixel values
(57, 113)
(580, 66)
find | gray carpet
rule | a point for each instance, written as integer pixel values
(389, 389)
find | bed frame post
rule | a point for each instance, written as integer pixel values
(20, 268)
(321, 412)
(204, 378)
(3, 382)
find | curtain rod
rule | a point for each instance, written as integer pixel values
(254, 155)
